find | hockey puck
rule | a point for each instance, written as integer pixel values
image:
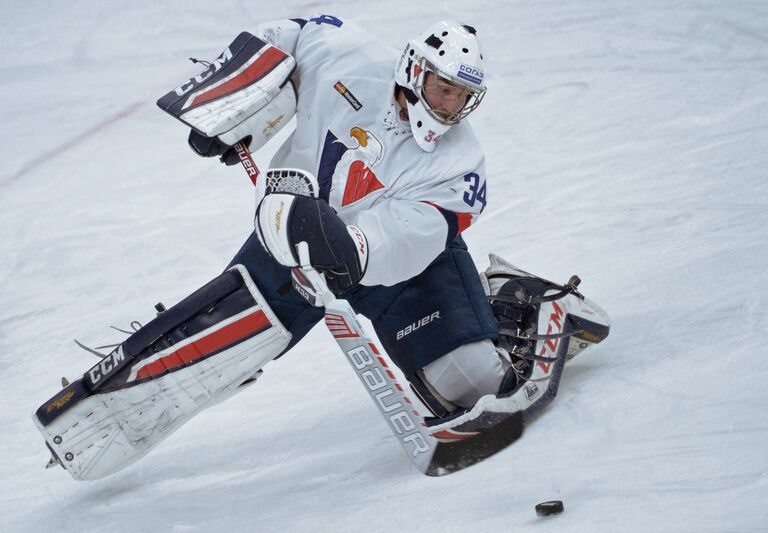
(549, 508)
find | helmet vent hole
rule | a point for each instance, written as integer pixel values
(445, 34)
(465, 50)
(418, 124)
(411, 52)
(442, 52)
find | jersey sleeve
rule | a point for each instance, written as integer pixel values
(285, 33)
(406, 234)
(404, 237)
(282, 33)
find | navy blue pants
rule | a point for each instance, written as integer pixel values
(418, 320)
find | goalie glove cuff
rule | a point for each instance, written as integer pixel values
(214, 147)
(206, 146)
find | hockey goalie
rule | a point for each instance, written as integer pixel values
(362, 211)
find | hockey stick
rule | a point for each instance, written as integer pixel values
(452, 446)
(247, 161)
(365, 358)
(361, 352)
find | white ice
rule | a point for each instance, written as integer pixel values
(627, 142)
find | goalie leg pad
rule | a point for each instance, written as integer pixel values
(191, 356)
(541, 325)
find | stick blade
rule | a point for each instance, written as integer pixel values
(451, 457)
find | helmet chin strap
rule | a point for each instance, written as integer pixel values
(402, 100)
(410, 97)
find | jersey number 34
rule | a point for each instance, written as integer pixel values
(476, 192)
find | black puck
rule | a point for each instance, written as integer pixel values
(549, 508)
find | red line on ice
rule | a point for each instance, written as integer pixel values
(74, 141)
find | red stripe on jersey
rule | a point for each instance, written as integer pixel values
(465, 220)
(459, 222)
(257, 70)
(229, 334)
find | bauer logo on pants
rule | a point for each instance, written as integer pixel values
(416, 325)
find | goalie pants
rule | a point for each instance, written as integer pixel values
(418, 320)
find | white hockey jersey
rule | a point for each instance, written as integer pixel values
(351, 134)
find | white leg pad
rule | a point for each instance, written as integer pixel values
(106, 431)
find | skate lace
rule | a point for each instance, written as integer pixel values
(522, 364)
(519, 356)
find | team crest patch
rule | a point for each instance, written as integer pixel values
(348, 96)
(354, 172)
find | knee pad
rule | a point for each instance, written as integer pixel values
(464, 375)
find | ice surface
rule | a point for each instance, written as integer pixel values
(627, 142)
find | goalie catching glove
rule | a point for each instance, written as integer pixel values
(244, 95)
(340, 251)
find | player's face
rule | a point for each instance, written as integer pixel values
(444, 96)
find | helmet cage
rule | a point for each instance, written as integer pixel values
(472, 96)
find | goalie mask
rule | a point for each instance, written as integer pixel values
(442, 74)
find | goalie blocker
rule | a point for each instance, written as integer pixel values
(195, 354)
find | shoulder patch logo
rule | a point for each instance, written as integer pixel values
(348, 96)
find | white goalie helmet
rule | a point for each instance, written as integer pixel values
(443, 75)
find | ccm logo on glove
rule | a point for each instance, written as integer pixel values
(362, 244)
